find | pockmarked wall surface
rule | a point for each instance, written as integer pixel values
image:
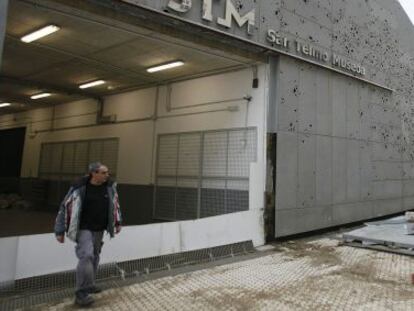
(341, 154)
(344, 148)
(342, 35)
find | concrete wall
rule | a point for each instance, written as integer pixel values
(344, 147)
(136, 166)
(339, 158)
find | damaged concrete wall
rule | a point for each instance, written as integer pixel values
(345, 147)
(335, 161)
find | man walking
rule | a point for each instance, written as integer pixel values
(89, 208)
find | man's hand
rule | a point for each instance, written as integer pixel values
(60, 238)
(118, 229)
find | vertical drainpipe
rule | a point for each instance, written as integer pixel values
(99, 110)
(3, 20)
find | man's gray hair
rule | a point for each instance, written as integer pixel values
(93, 167)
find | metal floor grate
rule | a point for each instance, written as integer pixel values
(46, 288)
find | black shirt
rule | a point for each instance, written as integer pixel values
(95, 206)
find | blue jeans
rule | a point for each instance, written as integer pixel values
(88, 248)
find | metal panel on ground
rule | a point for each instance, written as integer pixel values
(389, 235)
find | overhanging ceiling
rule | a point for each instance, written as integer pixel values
(88, 48)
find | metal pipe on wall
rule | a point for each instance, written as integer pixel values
(154, 117)
(155, 114)
(228, 109)
(3, 19)
(29, 119)
(151, 118)
(231, 100)
(92, 125)
(99, 110)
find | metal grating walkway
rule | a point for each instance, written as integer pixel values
(297, 275)
(42, 289)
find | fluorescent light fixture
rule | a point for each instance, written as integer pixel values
(166, 66)
(41, 95)
(40, 33)
(91, 84)
(4, 105)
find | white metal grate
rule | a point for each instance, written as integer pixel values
(202, 174)
(68, 160)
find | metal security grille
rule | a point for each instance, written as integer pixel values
(68, 160)
(201, 174)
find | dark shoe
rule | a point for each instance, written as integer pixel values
(83, 299)
(94, 290)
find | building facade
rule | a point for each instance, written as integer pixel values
(286, 117)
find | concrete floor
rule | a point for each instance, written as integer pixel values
(304, 274)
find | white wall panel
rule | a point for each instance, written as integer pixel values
(24, 259)
(131, 105)
(226, 86)
(8, 258)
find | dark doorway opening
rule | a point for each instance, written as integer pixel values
(11, 146)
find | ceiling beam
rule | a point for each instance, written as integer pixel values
(47, 87)
(124, 17)
(127, 72)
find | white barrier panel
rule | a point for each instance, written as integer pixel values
(33, 255)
